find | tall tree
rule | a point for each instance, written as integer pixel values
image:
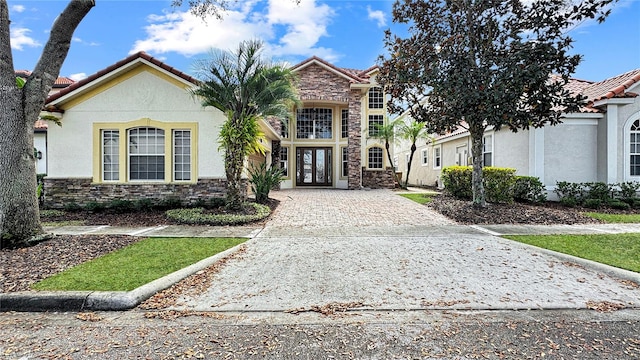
(387, 133)
(246, 87)
(413, 132)
(21, 105)
(484, 63)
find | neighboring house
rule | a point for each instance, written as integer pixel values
(326, 143)
(40, 131)
(600, 143)
(133, 131)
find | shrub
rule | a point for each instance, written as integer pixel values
(198, 216)
(599, 190)
(263, 180)
(51, 213)
(143, 204)
(498, 184)
(169, 203)
(629, 189)
(95, 206)
(592, 203)
(529, 189)
(570, 194)
(72, 206)
(457, 181)
(617, 204)
(120, 206)
(216, 202)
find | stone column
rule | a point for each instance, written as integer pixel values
(355, 140)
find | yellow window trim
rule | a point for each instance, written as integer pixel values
(122, 128)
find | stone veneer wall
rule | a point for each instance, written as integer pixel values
(318, 84)
(58, 192)
(378, 179)
(354, 177)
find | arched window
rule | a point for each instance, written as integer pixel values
(634, 149)
(375, 158)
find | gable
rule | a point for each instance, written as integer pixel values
(318, 83)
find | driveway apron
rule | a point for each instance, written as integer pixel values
(379, 251)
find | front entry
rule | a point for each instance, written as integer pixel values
(313, 166)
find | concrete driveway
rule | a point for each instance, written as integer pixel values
(376, 250)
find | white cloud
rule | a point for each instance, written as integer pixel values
(377, 15)
(286, 28)
(18, 8)
(20, 38)
(78, 76)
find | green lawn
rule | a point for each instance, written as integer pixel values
(615, 218)
(137, 264)
(619, 250)
(420, 198)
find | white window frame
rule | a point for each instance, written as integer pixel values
(487, 148)
(369, 158)
(158, 152)
(284, 161)
(424, 153)
(182, 162)
(344, 162)
(344, 123)
(111, 151)
(373, 121)
(437, 157)
(376, 98)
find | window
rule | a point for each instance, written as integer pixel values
(146, 154)
(110, 155)
(375, 121)
(314, 123)
(284, 128)
(345, 123)
(144, 150)
(634, 149)
(407, 160)
(375, 158)
(376, 98)
(425, 156)
(345, 162)
(437, 157)
(487, 149)
(182, 155)
(284, 161)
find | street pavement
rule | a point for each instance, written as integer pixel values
(365, 275)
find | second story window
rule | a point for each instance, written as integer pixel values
(314, 123)
(376, 98)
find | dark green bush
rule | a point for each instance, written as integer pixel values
(121, 206)
(498, 184)
(593, 203)
(598, 190)
(529, 189)
(570, 194)
(629, 189)
(263, 180)
(617, 204)
(216, 202)
(72, 206)
(95, 206)
(169, 203)
(457, 181)
(200, 217)
(143, 204)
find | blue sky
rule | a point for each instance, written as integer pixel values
(346, 33)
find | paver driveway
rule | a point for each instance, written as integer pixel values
(377, 250)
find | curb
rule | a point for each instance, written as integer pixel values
(103, 300)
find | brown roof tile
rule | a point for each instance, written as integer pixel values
(612, 87)
(123, 62)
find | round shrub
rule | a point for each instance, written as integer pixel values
(199, 216)
(593, 203)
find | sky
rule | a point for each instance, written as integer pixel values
(346, 33)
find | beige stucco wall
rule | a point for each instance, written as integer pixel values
(570, 153)
(144, 95)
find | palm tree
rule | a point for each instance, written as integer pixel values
(387, 133)
(247, 88)
(413, 132)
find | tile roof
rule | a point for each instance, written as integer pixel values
(41, 125)
(119, 64)
(614, 87)
(61, 82)
(356, 76)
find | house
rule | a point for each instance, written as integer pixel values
(134, 131)
(601, 143)
(40, 131)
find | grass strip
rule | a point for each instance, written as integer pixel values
(615, 218)
(619, 250)
(136, 264)
(421, 198)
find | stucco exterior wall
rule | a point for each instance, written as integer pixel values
(143, 95)
(40, 144)
(570, 152)
(511, 150)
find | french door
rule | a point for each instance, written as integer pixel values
(313, 166)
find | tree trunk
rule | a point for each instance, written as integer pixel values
(395, 176)
(477, 132)
(19, 213)
(413, 151)
(234, 164)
